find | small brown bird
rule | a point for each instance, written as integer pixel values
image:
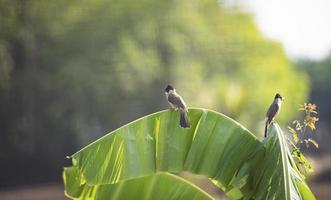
(177, 102)
(273, 111)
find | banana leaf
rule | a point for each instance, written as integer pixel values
(161, 186)
(215, 146)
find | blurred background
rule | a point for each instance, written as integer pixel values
(72, 71)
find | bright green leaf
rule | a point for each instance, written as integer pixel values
(294, 134)
(160, 186)
(216, 146)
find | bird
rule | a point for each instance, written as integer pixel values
(176, 102)
(273, 111)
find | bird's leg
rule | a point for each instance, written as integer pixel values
(172, 108)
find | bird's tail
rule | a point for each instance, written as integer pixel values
(184, 121)
(266, 128)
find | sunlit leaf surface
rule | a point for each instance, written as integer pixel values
(160, 186)
(216, 146)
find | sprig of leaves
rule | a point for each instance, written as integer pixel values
(299, 127)
(298, 130)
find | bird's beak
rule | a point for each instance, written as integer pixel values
(283, 99)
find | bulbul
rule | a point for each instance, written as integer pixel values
(177, 102)
(273, 111)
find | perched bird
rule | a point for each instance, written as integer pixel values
(177, 102)
(273, 111)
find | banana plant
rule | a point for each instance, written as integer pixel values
(138, 159)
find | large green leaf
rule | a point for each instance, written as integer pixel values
(161, 186)
(216, 146)
(292, 182)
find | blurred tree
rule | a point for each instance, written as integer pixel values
(72, 70)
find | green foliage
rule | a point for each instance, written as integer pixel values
(216, 146)
(70, 70)
(300, 135)
(161, 186)
(299, 131)
(301, 162)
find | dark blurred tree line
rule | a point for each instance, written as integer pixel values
(71, 71)
(320, 76)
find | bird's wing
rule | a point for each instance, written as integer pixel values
(272, 112)
(177, 101)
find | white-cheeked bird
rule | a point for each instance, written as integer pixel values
(273, 111)
(177, 102)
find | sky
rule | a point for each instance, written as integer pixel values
(302, 26)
